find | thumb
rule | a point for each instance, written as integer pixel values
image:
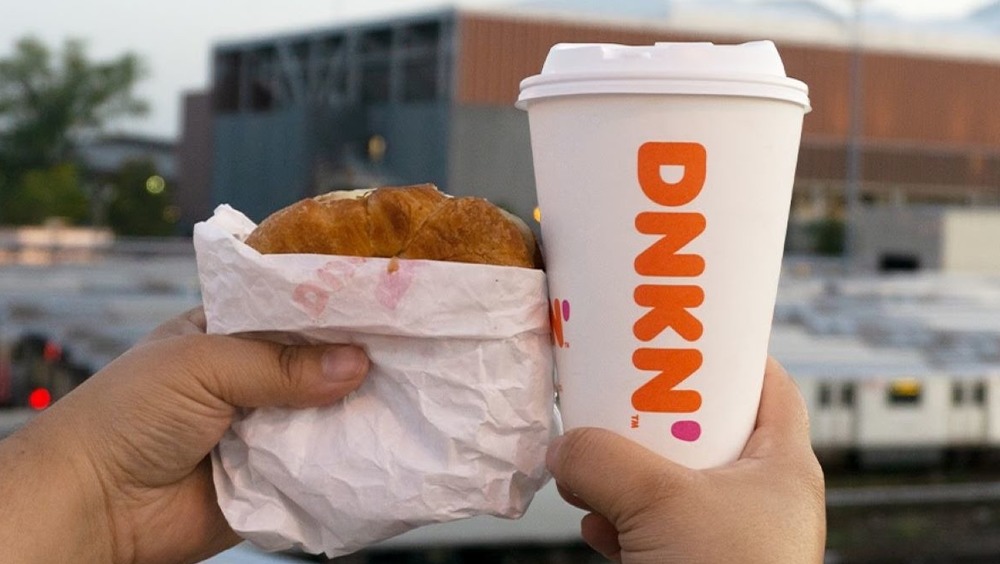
(782, 420)
(613, 475)
(253, 373)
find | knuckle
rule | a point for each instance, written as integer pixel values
(578, 451)
(192, 349)
(191, 361)
(290, 367)
(206, 348)
(652, 489)
(625, 488)
(195, 319)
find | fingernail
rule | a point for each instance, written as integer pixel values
(344, 363)
(552, 455)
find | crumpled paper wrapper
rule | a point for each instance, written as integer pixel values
(452, 421)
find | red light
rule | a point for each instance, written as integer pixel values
(39, 399)
(52, 351)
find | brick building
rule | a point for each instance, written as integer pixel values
(430, 98)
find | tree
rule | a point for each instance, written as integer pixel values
(50, 192)
(49, 102)
(828, 236)
(140, 203)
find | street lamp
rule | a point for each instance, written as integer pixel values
(100, 195)
(854, 139)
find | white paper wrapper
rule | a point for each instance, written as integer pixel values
(452, 421)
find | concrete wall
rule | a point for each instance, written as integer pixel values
(896, 231)
(971, 241)
(951, 239)
(491, 158)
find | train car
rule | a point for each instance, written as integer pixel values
(927, 419)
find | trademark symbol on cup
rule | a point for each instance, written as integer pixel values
(635, 421)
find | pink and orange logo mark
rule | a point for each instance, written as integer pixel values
(558, 316)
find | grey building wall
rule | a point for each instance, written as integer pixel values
(194, 161)
(417, 137)
(895, 232)
(491, 157)
(269, 160)
(262, 160)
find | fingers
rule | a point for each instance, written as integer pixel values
(782, 419)
(611, 474)
(601, 535)
(572, 499)
(252, 373)
(191, 322)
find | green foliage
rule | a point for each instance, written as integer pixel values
(828, 236)
(48, 102)
(51, 192)
(137, 208)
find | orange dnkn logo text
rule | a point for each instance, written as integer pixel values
(669, 305)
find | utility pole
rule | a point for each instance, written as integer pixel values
(852, 193)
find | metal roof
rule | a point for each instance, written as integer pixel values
(825, 324)
(886, 326)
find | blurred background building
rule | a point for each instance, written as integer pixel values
(429, 98)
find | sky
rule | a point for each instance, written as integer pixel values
(175, 37)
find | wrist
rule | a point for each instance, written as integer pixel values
(54, 507)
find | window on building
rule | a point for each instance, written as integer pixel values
(420, 50)
(979, 393)
(825, 395)
(957, 393)
(847, 395)
(375, 50)
(420, 80)
(424, 35)
(904, 392)
(899, 262)
(375, 43)
(264, 79)
(226, 87)
(375, 82)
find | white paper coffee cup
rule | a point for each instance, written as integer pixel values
(664, 177)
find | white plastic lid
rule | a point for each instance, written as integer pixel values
(751, 69)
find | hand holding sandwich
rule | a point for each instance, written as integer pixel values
(117, 471)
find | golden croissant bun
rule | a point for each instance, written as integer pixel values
(414, 222)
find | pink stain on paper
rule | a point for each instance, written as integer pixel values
(688, 431)
(335, 274)
(394, 283)
(311, 299)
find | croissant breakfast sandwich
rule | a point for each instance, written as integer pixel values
(409, 222)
